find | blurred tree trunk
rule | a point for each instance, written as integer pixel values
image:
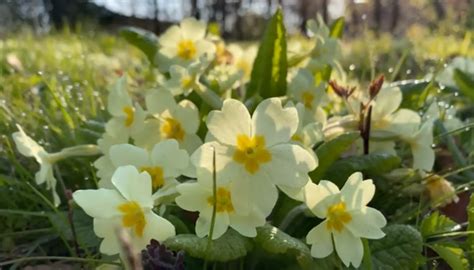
(194, 10)
(377, 16)
(62, 12)
(439, 9)
(324, 8)
(395, 14)
(303, 13)
(156, 17)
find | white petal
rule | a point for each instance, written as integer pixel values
(118, 98)
(423, 157)
(171, 37)
(191, 142)
(289, 165)
(100, 203)
(26, 145)
(320, 240)
(167, 155)
(318, 197)
(105, 169)
(357, 192)
(134, 186)
(193, 197)
(273, 122)
(349, 248)
(188, 115)
(157, 228)
(387, 102)
(232, 120)
(127, 154)
(295, 193)
(106, 228)
(404, 122)
(204, 222)
(254, 187)
(193, 29)
(159, 100)
(149, 135)
(366, 224)
(247, 224)
(205, 47)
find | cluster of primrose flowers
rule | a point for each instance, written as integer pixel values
(152, 157)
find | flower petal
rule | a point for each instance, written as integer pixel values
(367, 223)
(356, 192)
(317, 196)
(134, 186)
(159, 100)
(387, 102)
(423, 157)
(100, 203)
(247, 224)
(349, 248)
(188, 115)
(232, 120)
(157, 228)
(106, 228)
(127, 154)
(193, 29)
(320, 240)
(274, 122)
(118, 98)
(193, 196)
(289, 165)
(170, 157)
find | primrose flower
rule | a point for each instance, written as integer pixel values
(304, 89)
(184, 80)
(243, 59)
(103, 164)
(444, 112)
(421, 142)
(179, 121)
(127, 118)
(128, 206)
(346, 216)
(29, 148)
(164, 163)
(255, 151)
(198, 196)
(224, 77)
(184, 44)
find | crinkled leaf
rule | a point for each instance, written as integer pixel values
(399, 249)
(330, 151)
(337, 28)
(275, 241)
(144, 40)
(453, 256)
(436, 223)
(268, 78)
(372, 164)
(228, 247)
(465, 83)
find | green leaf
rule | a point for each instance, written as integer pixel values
(399, 249)
(268, 78)
(453, 256)
(372, 164)
(465, 82)
(275, 241)
(228, 247)
(470, 227)
(330, 151)
(411, 90)
(144, 40)
(337, 28)
(436, 223)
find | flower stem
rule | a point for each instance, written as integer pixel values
(208, 96)
(75, 151)
(214, 206)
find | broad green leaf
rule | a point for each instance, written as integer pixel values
(337, 28)
(330, 151)
(268, 78)
(275, 241)
(144, 40)
(228, 247)
(453, 256)
(436, 223)
(470, 227)
(411, 90)
(372, 164)
(399, 249)
(465, 83)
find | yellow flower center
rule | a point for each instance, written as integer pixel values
(133, 217)
(297, 138)
(337, 216)
(171, 129)
(186, 49)
(156, 173)
(223, 201)
(251, 152)
(129, 115)
(307, 98)
(187, 82)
